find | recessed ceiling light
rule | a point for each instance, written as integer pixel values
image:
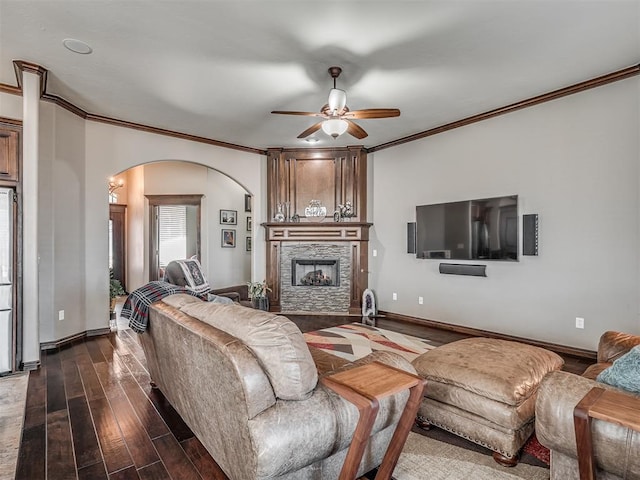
(77, 46)
(312, 140)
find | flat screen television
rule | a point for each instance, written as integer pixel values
(482, 229)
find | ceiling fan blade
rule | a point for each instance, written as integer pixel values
(373, 113)
(356, 130)
(312, 129)
(305, 114)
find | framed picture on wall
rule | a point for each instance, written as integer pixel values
(247, 244)
(247, 202)
(228, 238)
(248, 224)
(228, 217)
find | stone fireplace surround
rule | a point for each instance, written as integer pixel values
(302, 298)
(347, 242)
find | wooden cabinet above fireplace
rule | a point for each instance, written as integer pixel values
(332, 176)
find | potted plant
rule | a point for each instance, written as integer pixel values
(115, 290)
(258, 295)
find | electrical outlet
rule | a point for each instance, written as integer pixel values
(375, 252)
(394, 296)
(420, 300)
(579, 322)
(60, 314)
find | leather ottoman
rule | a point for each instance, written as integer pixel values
(484, 390)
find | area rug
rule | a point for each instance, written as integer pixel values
(356, 340)
(13, 398)
(424, 457)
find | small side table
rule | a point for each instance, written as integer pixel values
(607, 405)
(364, 386)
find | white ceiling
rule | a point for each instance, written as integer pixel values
(217, 68)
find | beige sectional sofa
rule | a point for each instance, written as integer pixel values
(247, 385)
(616, 448)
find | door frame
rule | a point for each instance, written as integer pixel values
(118, 215)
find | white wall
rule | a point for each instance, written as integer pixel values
(76, 159)
(10, 106)
(575, 162)
(60, 224)
(137, 263)
(222, 266)
(110, 150)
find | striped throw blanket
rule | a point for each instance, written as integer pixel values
(136, 306)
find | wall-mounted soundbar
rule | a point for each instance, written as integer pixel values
(463, 269)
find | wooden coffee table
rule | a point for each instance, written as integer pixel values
(365, 386)
(607, 405)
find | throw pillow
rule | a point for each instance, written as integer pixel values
(625, 372)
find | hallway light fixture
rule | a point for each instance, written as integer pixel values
(114, 185)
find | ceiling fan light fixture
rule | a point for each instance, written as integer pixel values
(335, 127)
(337, 100)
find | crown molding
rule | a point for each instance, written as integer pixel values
(11, 123)
(21, 66)
(530, 102)
(61, 102)
(172, 133)
(13, 90)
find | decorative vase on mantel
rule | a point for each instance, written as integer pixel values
(279, 216)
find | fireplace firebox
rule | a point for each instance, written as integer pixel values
(315, 272)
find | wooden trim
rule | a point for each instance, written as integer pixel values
(476, 332)
(70, 339)
(186, 199)
(11, 123)
(13, 90)
(171, 133)
(27, 366)
(61, 102)
(530, 102)
(21, 66)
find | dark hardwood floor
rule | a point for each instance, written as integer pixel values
(91, 413)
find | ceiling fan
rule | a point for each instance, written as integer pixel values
(336, 116)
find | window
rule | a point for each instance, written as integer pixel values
(175, 230)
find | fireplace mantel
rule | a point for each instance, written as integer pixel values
(315, 231)
(354, 234)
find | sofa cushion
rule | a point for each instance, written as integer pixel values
(276, 342)
(625, 372)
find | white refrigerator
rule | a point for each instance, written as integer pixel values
(6, 281)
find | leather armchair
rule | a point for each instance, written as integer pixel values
(616, 449)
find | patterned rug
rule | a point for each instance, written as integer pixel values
(424, 457)
(356, 340)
